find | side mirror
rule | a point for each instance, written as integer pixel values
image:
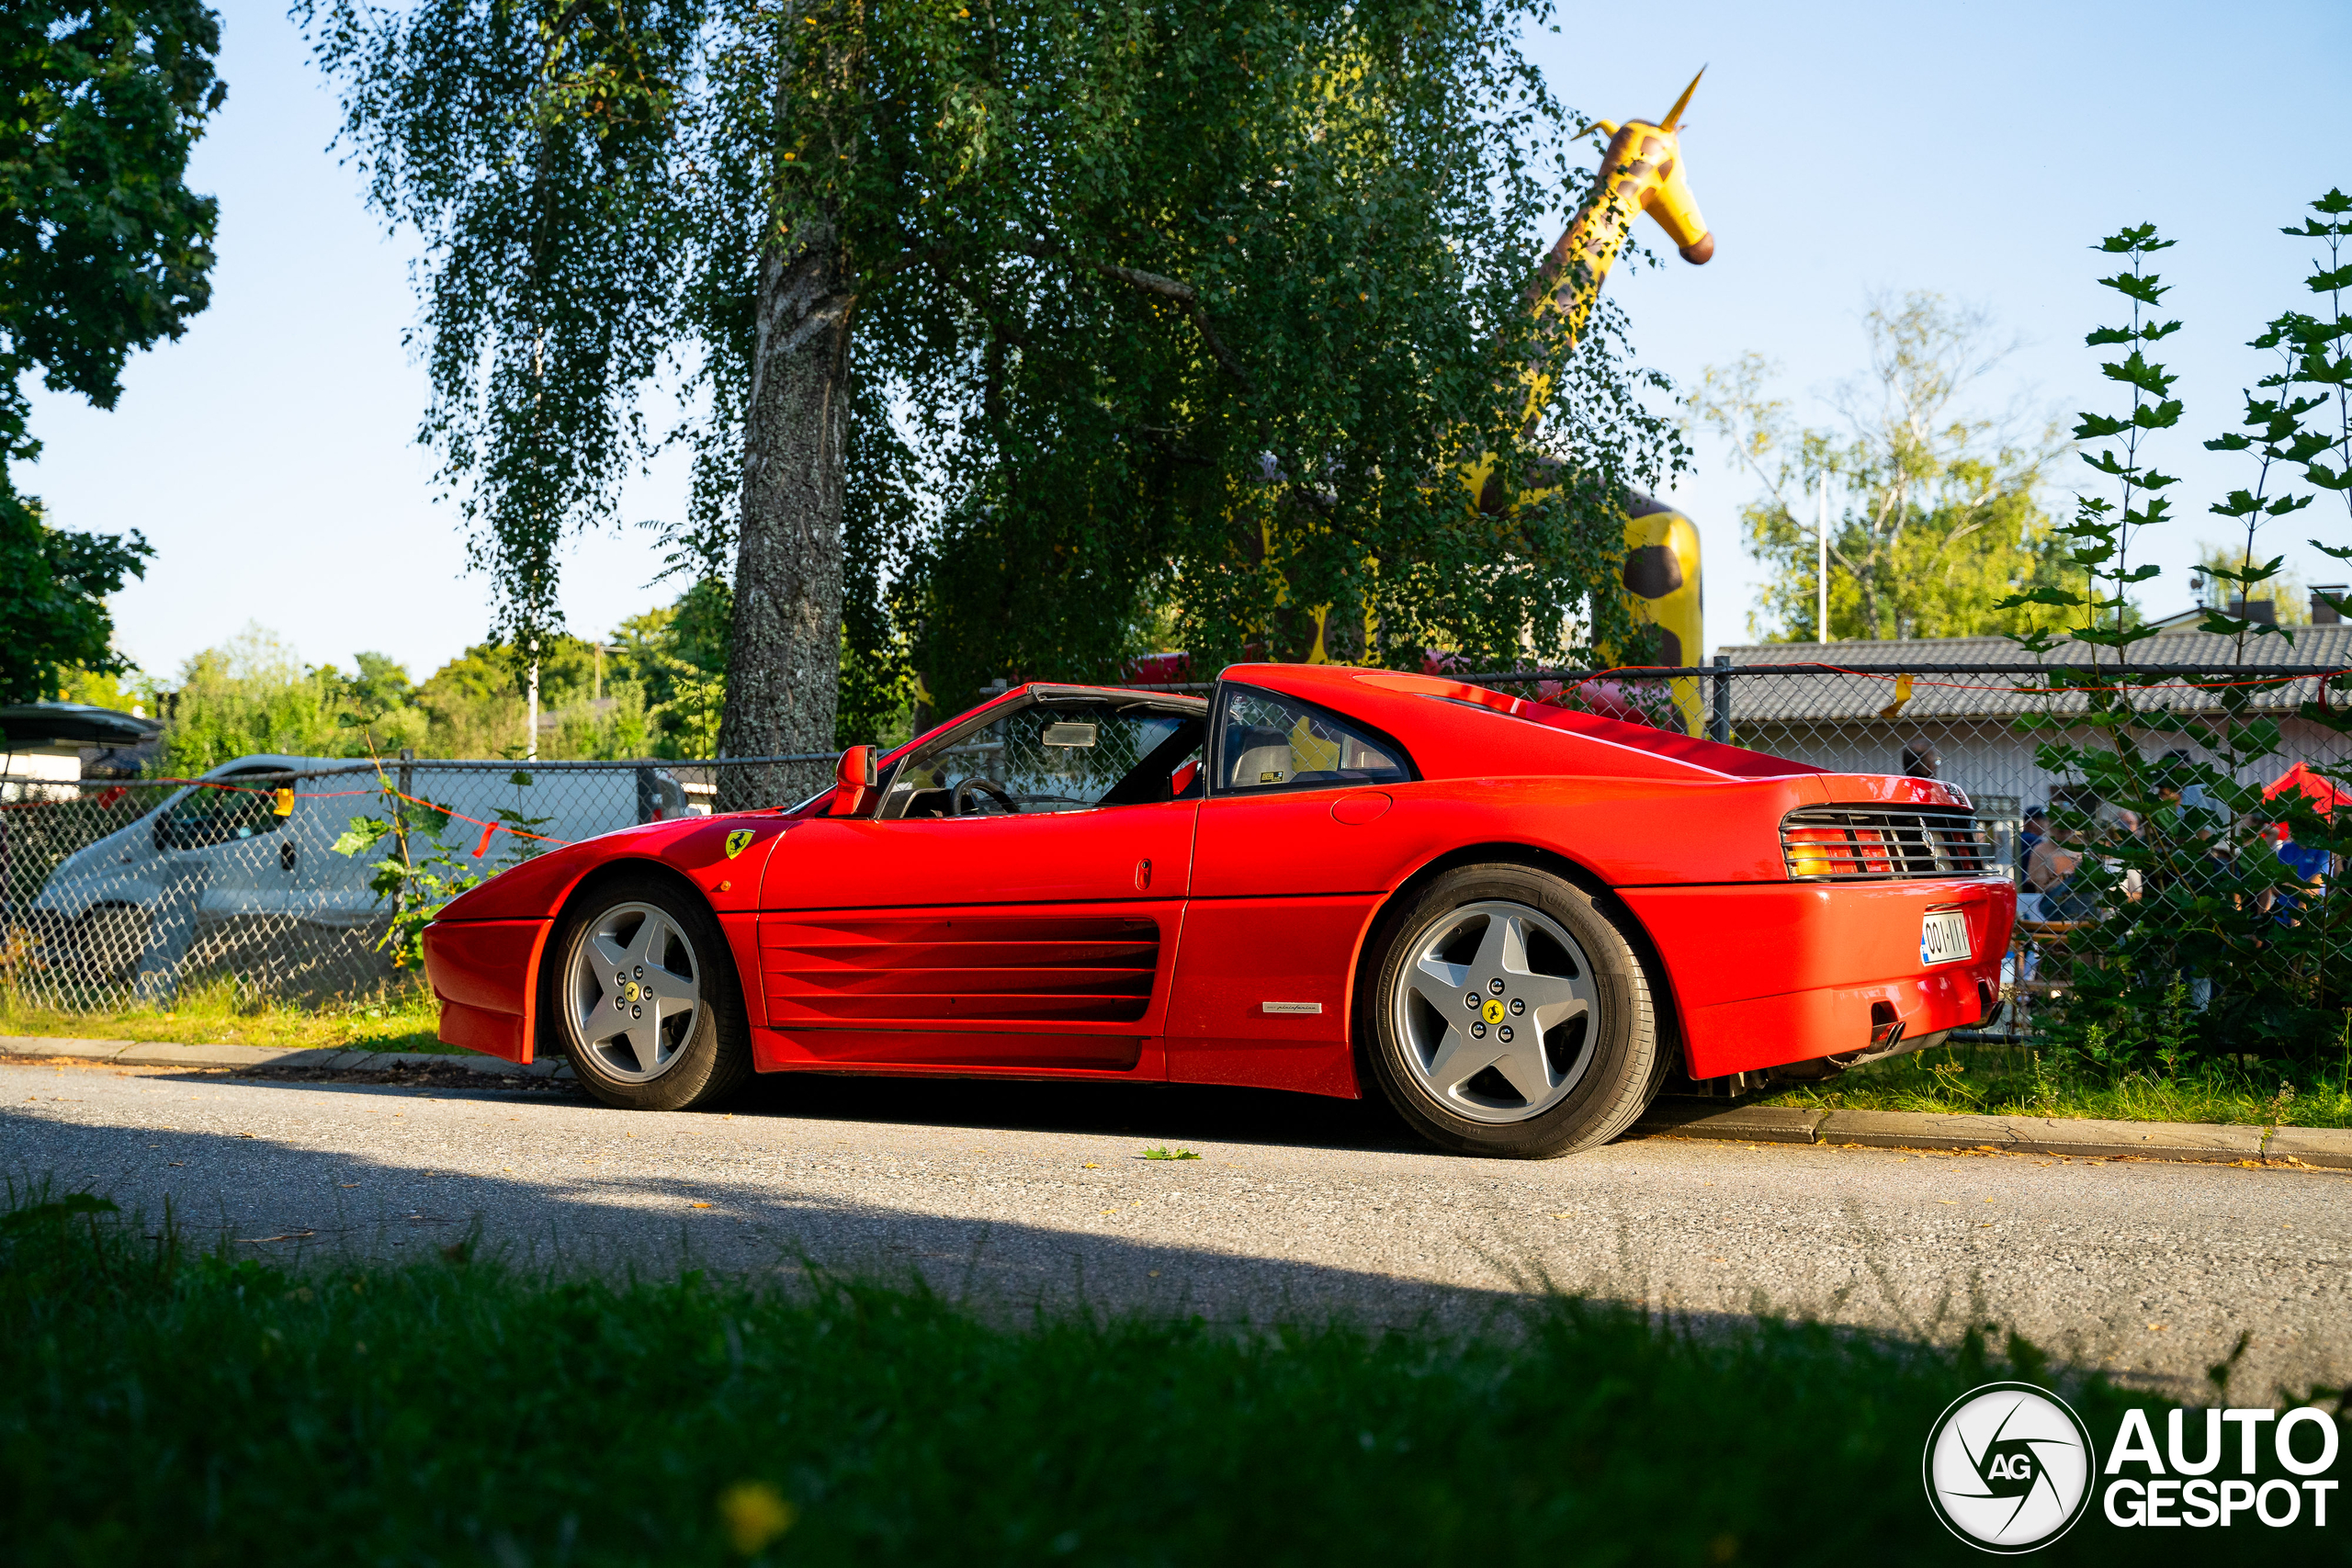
(858, 772)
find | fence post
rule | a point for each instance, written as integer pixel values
(408, 774)
(1719, 720)
(648, 796)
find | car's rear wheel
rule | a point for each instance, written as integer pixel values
(1509, 1013)
(643, 996)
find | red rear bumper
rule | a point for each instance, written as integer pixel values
(481, 971)
(1765, 973)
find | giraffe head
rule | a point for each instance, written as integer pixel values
(1643, 167)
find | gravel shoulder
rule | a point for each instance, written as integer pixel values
(1021, 1195)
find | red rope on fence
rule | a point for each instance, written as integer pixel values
(117, 792)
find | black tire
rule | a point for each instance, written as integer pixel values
(700, 1059)
(1562, 1087)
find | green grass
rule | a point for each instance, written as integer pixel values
(216, 1012)
(162, 1405)
(2017, 1081)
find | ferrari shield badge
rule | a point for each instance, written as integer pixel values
(739, 841)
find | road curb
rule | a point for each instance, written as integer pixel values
(150, 1054)
(2326, 1148)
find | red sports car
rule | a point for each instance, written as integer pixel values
(1513, 919)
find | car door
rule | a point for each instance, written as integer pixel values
(1288, 862)
(1013, 899)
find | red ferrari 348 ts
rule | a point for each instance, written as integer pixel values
(1514, 920)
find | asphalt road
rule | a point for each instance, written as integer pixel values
(1011, 1194)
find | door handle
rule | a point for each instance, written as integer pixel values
(1143, 877)
(286, 854)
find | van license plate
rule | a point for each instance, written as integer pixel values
(1944, 937)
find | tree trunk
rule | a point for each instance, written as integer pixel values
(784, 667)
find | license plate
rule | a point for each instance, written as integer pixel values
(1944, 937)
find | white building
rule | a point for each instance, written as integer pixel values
(1982, 729)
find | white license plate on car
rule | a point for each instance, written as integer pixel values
(1944, 937)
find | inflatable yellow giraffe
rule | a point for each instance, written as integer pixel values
(1640, 172)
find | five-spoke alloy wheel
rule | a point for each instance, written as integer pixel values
(1510, 1015)
(634, 991)
(644, 998)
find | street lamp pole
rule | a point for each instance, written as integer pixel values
(1821, 567)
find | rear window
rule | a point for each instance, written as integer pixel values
(1269, 742)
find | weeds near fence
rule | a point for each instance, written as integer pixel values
(220, 1010)
(422, 872)
(2054, 1080)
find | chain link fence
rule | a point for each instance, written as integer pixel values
(116, 894)
(122, 893)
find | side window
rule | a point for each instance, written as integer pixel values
(1047, 756)
(205, 816)
(1268, 742)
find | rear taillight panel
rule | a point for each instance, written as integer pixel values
(1864, 843)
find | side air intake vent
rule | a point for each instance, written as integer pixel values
(920, 969)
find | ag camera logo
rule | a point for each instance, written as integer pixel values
(2009, 1467)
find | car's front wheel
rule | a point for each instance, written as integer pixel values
(1509, 1014)
(643, 995)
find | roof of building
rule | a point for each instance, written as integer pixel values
(1945, 684)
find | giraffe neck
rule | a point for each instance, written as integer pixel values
(1570, 278)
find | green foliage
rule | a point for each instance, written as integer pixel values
(2102, 530)
(419, 871)
(678, 656)
(1149, 310)
(53, 584)
(103, 249)
(249, 695)
(654, 691)
(2321, 349)
(1937, 523)
(157, 1404)
(533, 148)
(418, 874)
(2228, 568)
(1199, 315)
(2219, 905)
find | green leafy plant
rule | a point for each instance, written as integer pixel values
(1169, 1154)
(2196, 934)
(418, 873)
(526, 839)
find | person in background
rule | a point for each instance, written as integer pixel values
(2176, 786)
(2112, 824)
(1921, 759)
(2031, 830)
(2050, 872)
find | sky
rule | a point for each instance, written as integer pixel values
(1977, 151)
